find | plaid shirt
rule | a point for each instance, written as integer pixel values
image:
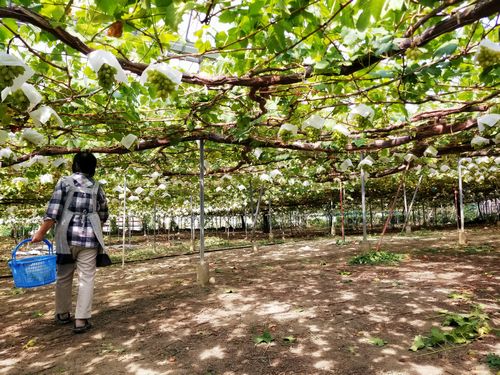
(80, 232)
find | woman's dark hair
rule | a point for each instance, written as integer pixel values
(84, 162)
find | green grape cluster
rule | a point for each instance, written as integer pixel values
(286, 135)
(487, 57)
(18, 100)
(106, 76)
(362, 122)
(8, 73)
(412, 53)
(160, 83)
(312, 134)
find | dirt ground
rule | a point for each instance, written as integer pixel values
(151, 318)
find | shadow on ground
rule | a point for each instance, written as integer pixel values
(321, 313)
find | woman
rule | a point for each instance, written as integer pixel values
(78, 208)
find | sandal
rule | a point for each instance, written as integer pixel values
(83, 328)
(63, 318)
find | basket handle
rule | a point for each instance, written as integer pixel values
(23, 242)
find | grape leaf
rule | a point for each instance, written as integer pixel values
(418, 343)
(446, 49)
(107, 6)
(377, 341)
(265, 337)
(289, 339)
(359, 142)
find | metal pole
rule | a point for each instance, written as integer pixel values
(363, 201)
(192, 222)
(202, 201)
(460, 195)
(250, 191)
(154, 222)
(342, 211)
(271, 236)
(130, 226)
(405, 202)
(332, 224)
(256, 215)
(124, 216)
(456, 209)
(246, 226)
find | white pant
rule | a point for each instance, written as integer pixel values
(85, 265)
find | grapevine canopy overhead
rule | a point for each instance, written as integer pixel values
(316, 89)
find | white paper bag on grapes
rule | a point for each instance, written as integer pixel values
(479, 141)
(58, 162)
(98, 58)
(334, 127)
(128, 140)
(288, 128)
(32, 136)
(345, 165)
(488, 54)
(265, 177)
(46, 178)
(315, 121)
(29, 91)
(275, 172)
(19, 181)
(366, 162)
(490, 120)
(5, 153)
(430, 151)
(9, 60)
(174, 75)
(364, 111)
(37, 159)
(409, 157)
(43, 114)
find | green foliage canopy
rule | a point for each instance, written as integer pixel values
(309, 83)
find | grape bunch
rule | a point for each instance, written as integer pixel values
(8, 73)
(312, 134)
(487, 57)
(412, 53)
(106, 76)
(18, 100)
(361, 122)
(160, 83)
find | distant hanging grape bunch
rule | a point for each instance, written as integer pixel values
(8, 73)
(361, 122)
(413, 53)
(160, 83)
(362, 115)
(488, 54)
(106, 76)
(18, 100)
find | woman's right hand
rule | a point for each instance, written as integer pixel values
(44, 228)
(37, 237)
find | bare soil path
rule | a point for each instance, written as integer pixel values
(151, 318)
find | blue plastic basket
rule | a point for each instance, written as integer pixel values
(33, 271)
